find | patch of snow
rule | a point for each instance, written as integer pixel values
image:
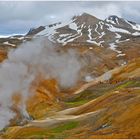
(101, 24)
(113, 47)
(136, 33)
(114, 29)
(117, 41)
(72, 39)
(121, 55)
(9, 35)
(7, 43)
(135, 27)
(64, 40)
(82, 25)
(64, 35)
(50, 31)
(20, 38)
(110, 21)
(117, 20)
(101, 43)
(4, 36)
(89, 32)
(102, 34)
(94, 42)
(73, 26)
(96, 29)
(118, 36)
(69, 37)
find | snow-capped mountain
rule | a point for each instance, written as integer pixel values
(114, 34)
(88, 29)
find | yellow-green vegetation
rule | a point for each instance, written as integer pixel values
(88, 95)
(132, 83)
(58, 131)
(76, 103)
(124, 85)
(66, 126)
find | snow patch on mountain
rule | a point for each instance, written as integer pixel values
(73, 26)
(121, 55)
(97, 32)
(136, 33)
(113, 46)
(93, 42)
(118, 41)
(115, 29)
(96, 29)
(102, 34)
(134, 26)
(89, 32)
(50, 31)
(101, 23)
(118, 36)
(7, 43)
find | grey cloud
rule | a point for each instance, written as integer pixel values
(22, 15)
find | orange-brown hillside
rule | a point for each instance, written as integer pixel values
(3, 55)
(108, 109)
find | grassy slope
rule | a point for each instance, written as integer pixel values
(120, 100)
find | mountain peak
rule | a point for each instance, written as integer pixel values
(84, 15)
(113, 19)
(87, 18)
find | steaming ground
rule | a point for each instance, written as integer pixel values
(30, 62)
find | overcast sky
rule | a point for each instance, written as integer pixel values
(19, 17)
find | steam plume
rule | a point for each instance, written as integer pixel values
(29, 61)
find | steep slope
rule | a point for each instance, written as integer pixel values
(110, 110)
(87, 29)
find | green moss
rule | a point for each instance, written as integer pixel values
(129, 84)
(76, 103)
(65, 126)
(135, 84)
(126, 84)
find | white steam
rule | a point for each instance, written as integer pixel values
(31, 62)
